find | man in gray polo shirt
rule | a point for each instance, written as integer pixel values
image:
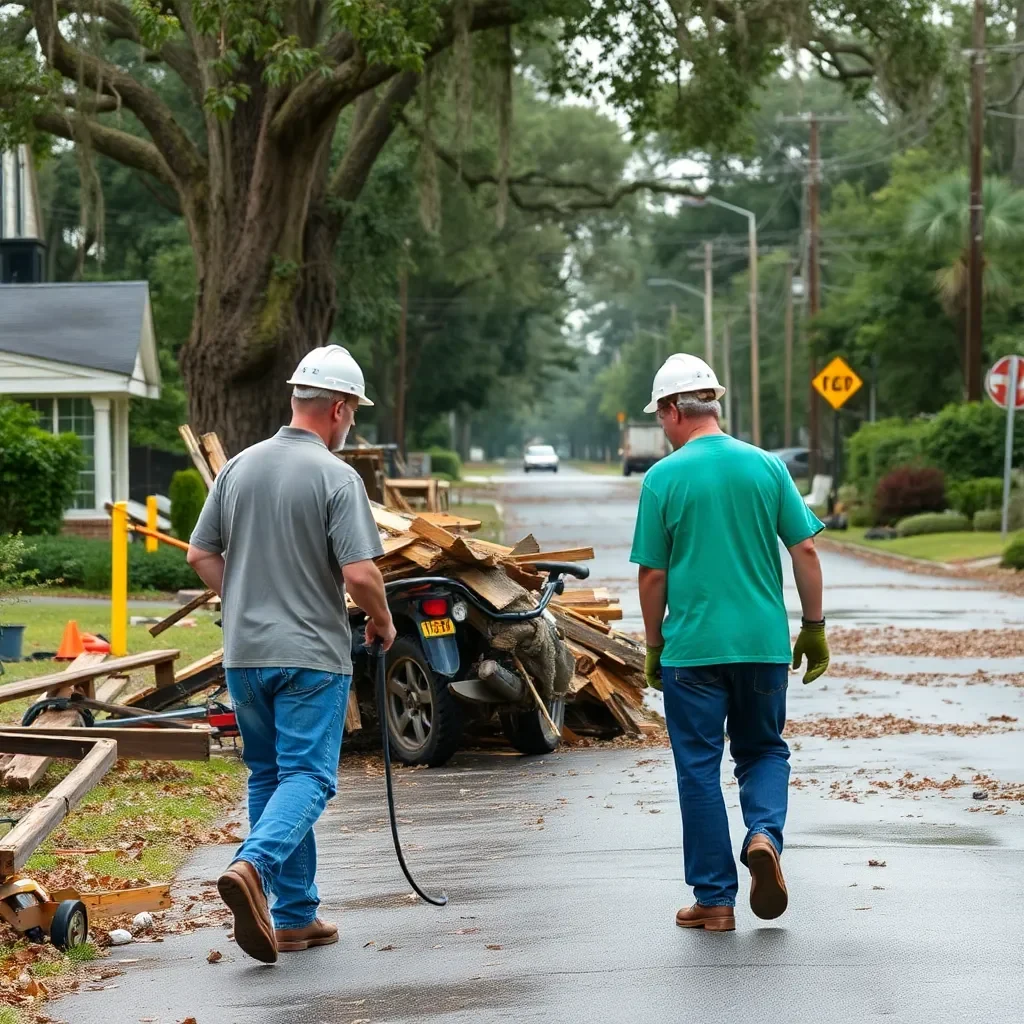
(286, 528)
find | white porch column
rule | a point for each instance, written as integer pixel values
(102, 451)
(121, 408)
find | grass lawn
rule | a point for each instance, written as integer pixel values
(935, 547)
(492, 527)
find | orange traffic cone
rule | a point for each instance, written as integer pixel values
(71, 645)
(95, 644)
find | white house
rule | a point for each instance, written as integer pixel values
(77, 353)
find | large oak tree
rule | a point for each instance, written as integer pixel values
(273, 82)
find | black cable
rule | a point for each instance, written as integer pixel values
(57, 704)
(377, 652)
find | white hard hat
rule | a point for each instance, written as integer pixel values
(679, 374)
(333, 369)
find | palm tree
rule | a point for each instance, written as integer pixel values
(941, 219)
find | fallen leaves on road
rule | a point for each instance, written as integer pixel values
(935, 643)
(214, 956)
(387, 949)
(876, 864)
(870, 727)
(492, 945)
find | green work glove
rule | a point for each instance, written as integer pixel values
(652, 666)
(812, 643)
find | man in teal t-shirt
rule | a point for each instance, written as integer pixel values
(707, 542)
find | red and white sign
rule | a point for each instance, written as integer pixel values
(997, 381)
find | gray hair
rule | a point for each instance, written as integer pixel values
(697, 405)
(305, 394)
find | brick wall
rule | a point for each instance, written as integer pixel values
(95, 529)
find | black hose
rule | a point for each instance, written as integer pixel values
(377, 652)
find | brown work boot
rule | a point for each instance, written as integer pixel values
(711, 919)
(317, 933)
(241, 889)
(768, 895)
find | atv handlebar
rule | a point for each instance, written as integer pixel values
(554, 585)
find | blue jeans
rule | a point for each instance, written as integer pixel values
(701, 704)
(291, 721)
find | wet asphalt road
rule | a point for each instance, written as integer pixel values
(564, 872)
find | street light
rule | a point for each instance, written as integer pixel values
(755, 369)
(668, 282)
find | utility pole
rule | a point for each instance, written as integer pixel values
(755, 350)
(814, 167)
(400, 385)
(787, 430)
(976, 252)
(727, 358)
(708, 283)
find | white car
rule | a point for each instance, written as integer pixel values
(540, 456)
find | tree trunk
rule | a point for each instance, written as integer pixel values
(1017, 171)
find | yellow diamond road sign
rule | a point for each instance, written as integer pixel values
(837, 382)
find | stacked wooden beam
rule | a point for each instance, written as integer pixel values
(609, 665)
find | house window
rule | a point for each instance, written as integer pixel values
(72, 415)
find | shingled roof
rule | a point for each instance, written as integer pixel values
(98, 325)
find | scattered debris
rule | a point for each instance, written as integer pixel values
(214, 956)
(120, 937)
(876, 864)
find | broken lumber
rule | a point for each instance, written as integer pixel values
(25, 770)
(214, 452)
(97, 757)
(134, 743)
(197, 454)
(565, 555)
(180, 613)
(454, 546)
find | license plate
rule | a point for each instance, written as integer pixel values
(437, 627)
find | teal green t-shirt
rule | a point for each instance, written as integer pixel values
(712, 514)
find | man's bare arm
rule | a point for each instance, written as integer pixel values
(651, 584)
(807, 572)
(366, 585)
(208, 566)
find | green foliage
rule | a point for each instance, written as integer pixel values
(1013, 556)
(878, 448)
(973, 496)
(38, 472)
(967, 440)
(907, 490)
(442, 460)
(933, 522)
(84, 563)
(987, 520)
(396, 34)
(12, 554)
(188, 495)
(862, 516)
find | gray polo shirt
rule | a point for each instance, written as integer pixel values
(287, 514)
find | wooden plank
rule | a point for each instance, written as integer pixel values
(395, 498)
(565, 555)
(164, 673)
(604, 612)
(389, 520)
(604, 688)
(24, 839)
(198, 456)
(353, 719)
(425, 555)
(196, 667)
(119, 902)
(136, 743)
(30, 687)
(490, 584)
(587, 634)
(448, 521)
(527, 546)
(395, 544)
(455, 547)
(110, 689)
(177, 616)
(214, 451)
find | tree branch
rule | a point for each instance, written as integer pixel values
(118, 145)
(829, 54)
(350, 177)
(179, 153)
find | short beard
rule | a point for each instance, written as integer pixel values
(339, 442)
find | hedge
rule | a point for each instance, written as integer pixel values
(933, 522)
(878, 448)
(188, 495)
(1013, 556)
(971, 496)
(908, 490)
(38, 472)
(446, 462)
(80, 562)
(987, 520)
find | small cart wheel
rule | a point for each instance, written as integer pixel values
(70, 926)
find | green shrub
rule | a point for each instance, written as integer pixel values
(933, 522)
(966, 440)
(38, 472)
(970, 496)
(878, 448)
(1016, 511)
(987, 520)
(188, 495)
(861, 516)
(848, 494)
(907, 490)
(1013, 556)
(442, 460)
(12, 576)
(81, 562)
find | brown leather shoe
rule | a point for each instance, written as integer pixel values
(711, 919)
(241, 889)
(317, 933)
(768, 895)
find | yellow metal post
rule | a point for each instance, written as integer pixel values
(151, 524)
(119, 579)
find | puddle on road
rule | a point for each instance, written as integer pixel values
(913, 835)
